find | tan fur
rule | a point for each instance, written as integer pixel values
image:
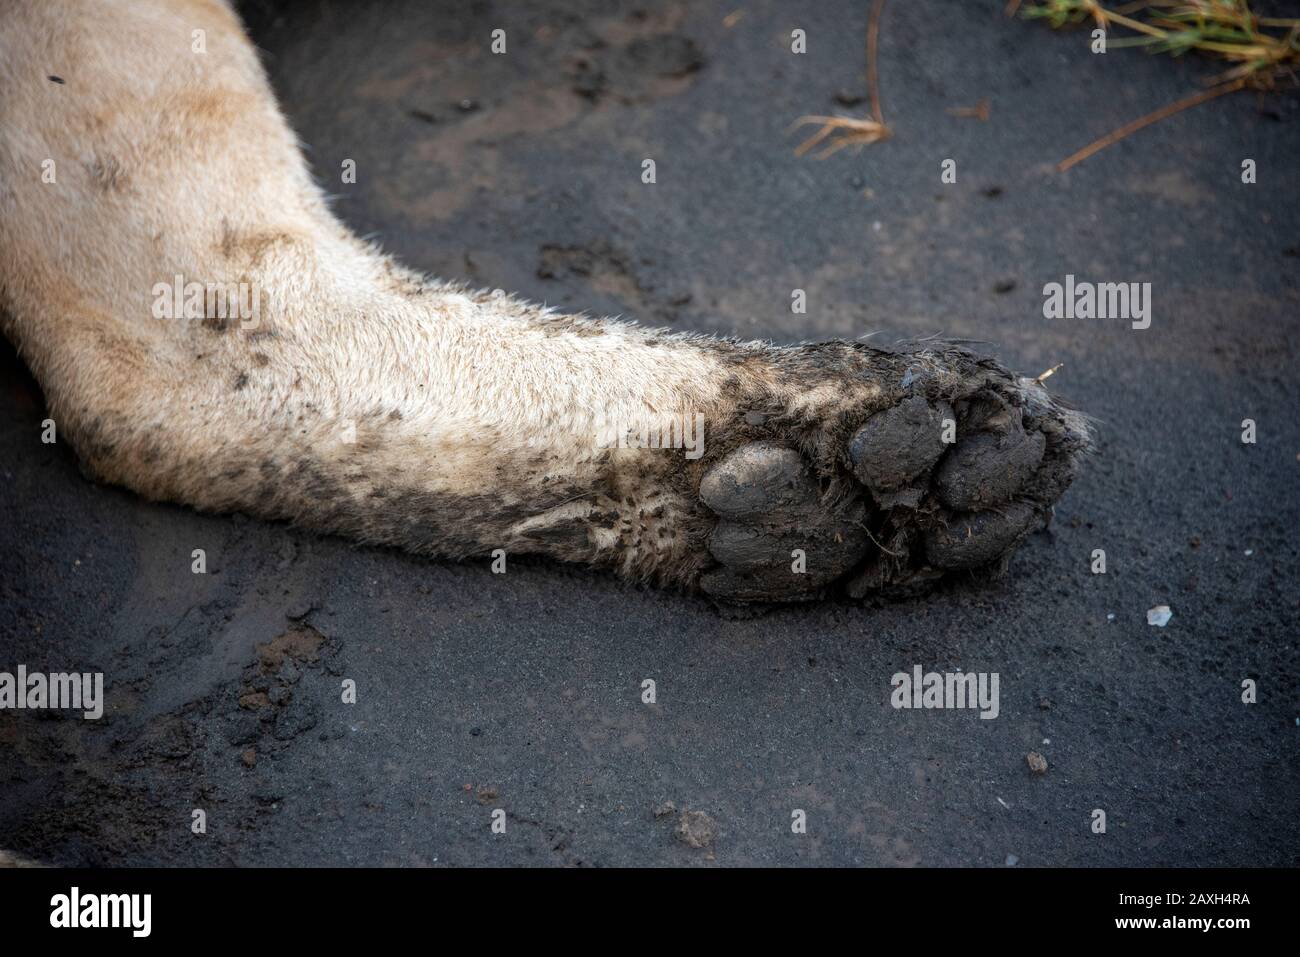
(368, 400)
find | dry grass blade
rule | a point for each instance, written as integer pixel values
(847, 131)
(842, 131)
(1261, 50)
(873, 41)
(1114, 137)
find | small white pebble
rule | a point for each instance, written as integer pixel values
(1159, 615)
(1012, 860)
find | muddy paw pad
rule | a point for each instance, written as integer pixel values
(967, 541)
(819, 554)
(898, 444)
(989, 467)
(773, 560)
(756, 480)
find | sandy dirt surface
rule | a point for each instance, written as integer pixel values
(523, 692)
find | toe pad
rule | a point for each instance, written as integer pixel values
(988, 468)
(967, 541)
(756, 480)
(898, 444)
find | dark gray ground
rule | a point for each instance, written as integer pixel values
(528, 684)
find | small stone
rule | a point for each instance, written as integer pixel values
(249, 757)
(300, 609)
(1037, 763)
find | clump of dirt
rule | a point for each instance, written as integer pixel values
(695, 829)
(166, 738)
(300, 642)
(266, 696)
(253, 700)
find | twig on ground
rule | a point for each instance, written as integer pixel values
(1048, 373)
(980, 111)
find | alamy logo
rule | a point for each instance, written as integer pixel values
(103, 910)
(223, 301)
(945, 690)
(1106, 300)
(78, 692)
(684, 432)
